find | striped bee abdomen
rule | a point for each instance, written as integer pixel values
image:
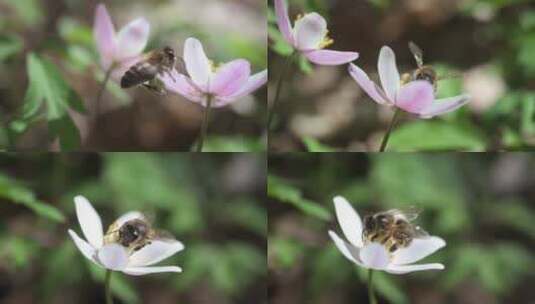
(138, 74)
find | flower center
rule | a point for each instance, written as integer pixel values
(326, 41)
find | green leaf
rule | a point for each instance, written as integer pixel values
(12, 191)
(47, 87)
(304, 65)
(238, 143)
(313, 145)
(435, 135)
(282, 191)
(9, 46)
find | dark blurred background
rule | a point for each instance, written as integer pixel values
(132, 120)
(214, 204)
(486, 45)
(482, 205)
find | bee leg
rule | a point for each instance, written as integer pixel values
(393, 248)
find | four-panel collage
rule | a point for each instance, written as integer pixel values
(267, 151)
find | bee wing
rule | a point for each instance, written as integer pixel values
(450, 75)
(420, 233)
(410, 213)
(180, 66)
(417, 53)
(163, 235)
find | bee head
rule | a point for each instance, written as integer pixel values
(132, 231)
(169, 52)
(425, 73)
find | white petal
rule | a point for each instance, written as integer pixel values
(374, 256)
(388, 72)
(132, 215)
(89, 221)
(155, 252)
(418, 249)
(445, 105)
(197, 63)
(113, 256)
(349, 251)
(132, 39)
(401, 269)
(87, 250)
(309, 31)
(349, 221)
(147, 270)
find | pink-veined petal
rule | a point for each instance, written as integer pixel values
(155, 252)
(415, 96)
(132, 38)
(374, 255)
(104, 34)
(182, 85)
(349, 221)
(388, 72)
(309, 31)
(402, 269)
(367, 85)
(330, 57)
(283, 21)
(417, 250)
(349, 251)
(148, 270)
(230, 77)
(444, 105)
(197, 64)
(89, 221)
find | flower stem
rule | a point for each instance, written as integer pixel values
(390, 127)
(371, 292)
(204, 126)
(283, 73)
(109, 300)
(101, 93)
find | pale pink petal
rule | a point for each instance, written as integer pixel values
(155, 252)
(402, 269)
(283, 21)
(330, 57)
(374, 256)
(417, 250)
(350, 252)
(182, 85)
(367, 85)
(388, 72)
(148, 270)
(444, 105)
(113, 256)
(132, 39)
(349, 221)
(253, 83)
(415, 96)
(197, 64)
(309, 31)
(230, 77)
(104, 34)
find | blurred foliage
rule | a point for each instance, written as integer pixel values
(206, 202)
(480, 205)
(496, 34)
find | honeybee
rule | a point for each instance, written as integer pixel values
(423, 72)
(135, 234)
(393, 228)
(154, 63)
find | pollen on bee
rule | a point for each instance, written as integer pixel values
(326, 41)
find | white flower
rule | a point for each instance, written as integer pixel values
(374, 255)
(114, 256)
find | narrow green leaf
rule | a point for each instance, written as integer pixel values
(314, 145)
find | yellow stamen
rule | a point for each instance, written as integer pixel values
(299, 16)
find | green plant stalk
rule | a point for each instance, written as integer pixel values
(390, 127)
(101, 93)
(107, 285)
(371, 292)
(204, 126)
(285, 69)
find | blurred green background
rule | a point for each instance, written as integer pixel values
(482, 205)
(214, 204)
(488, 44)
(59, 33)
